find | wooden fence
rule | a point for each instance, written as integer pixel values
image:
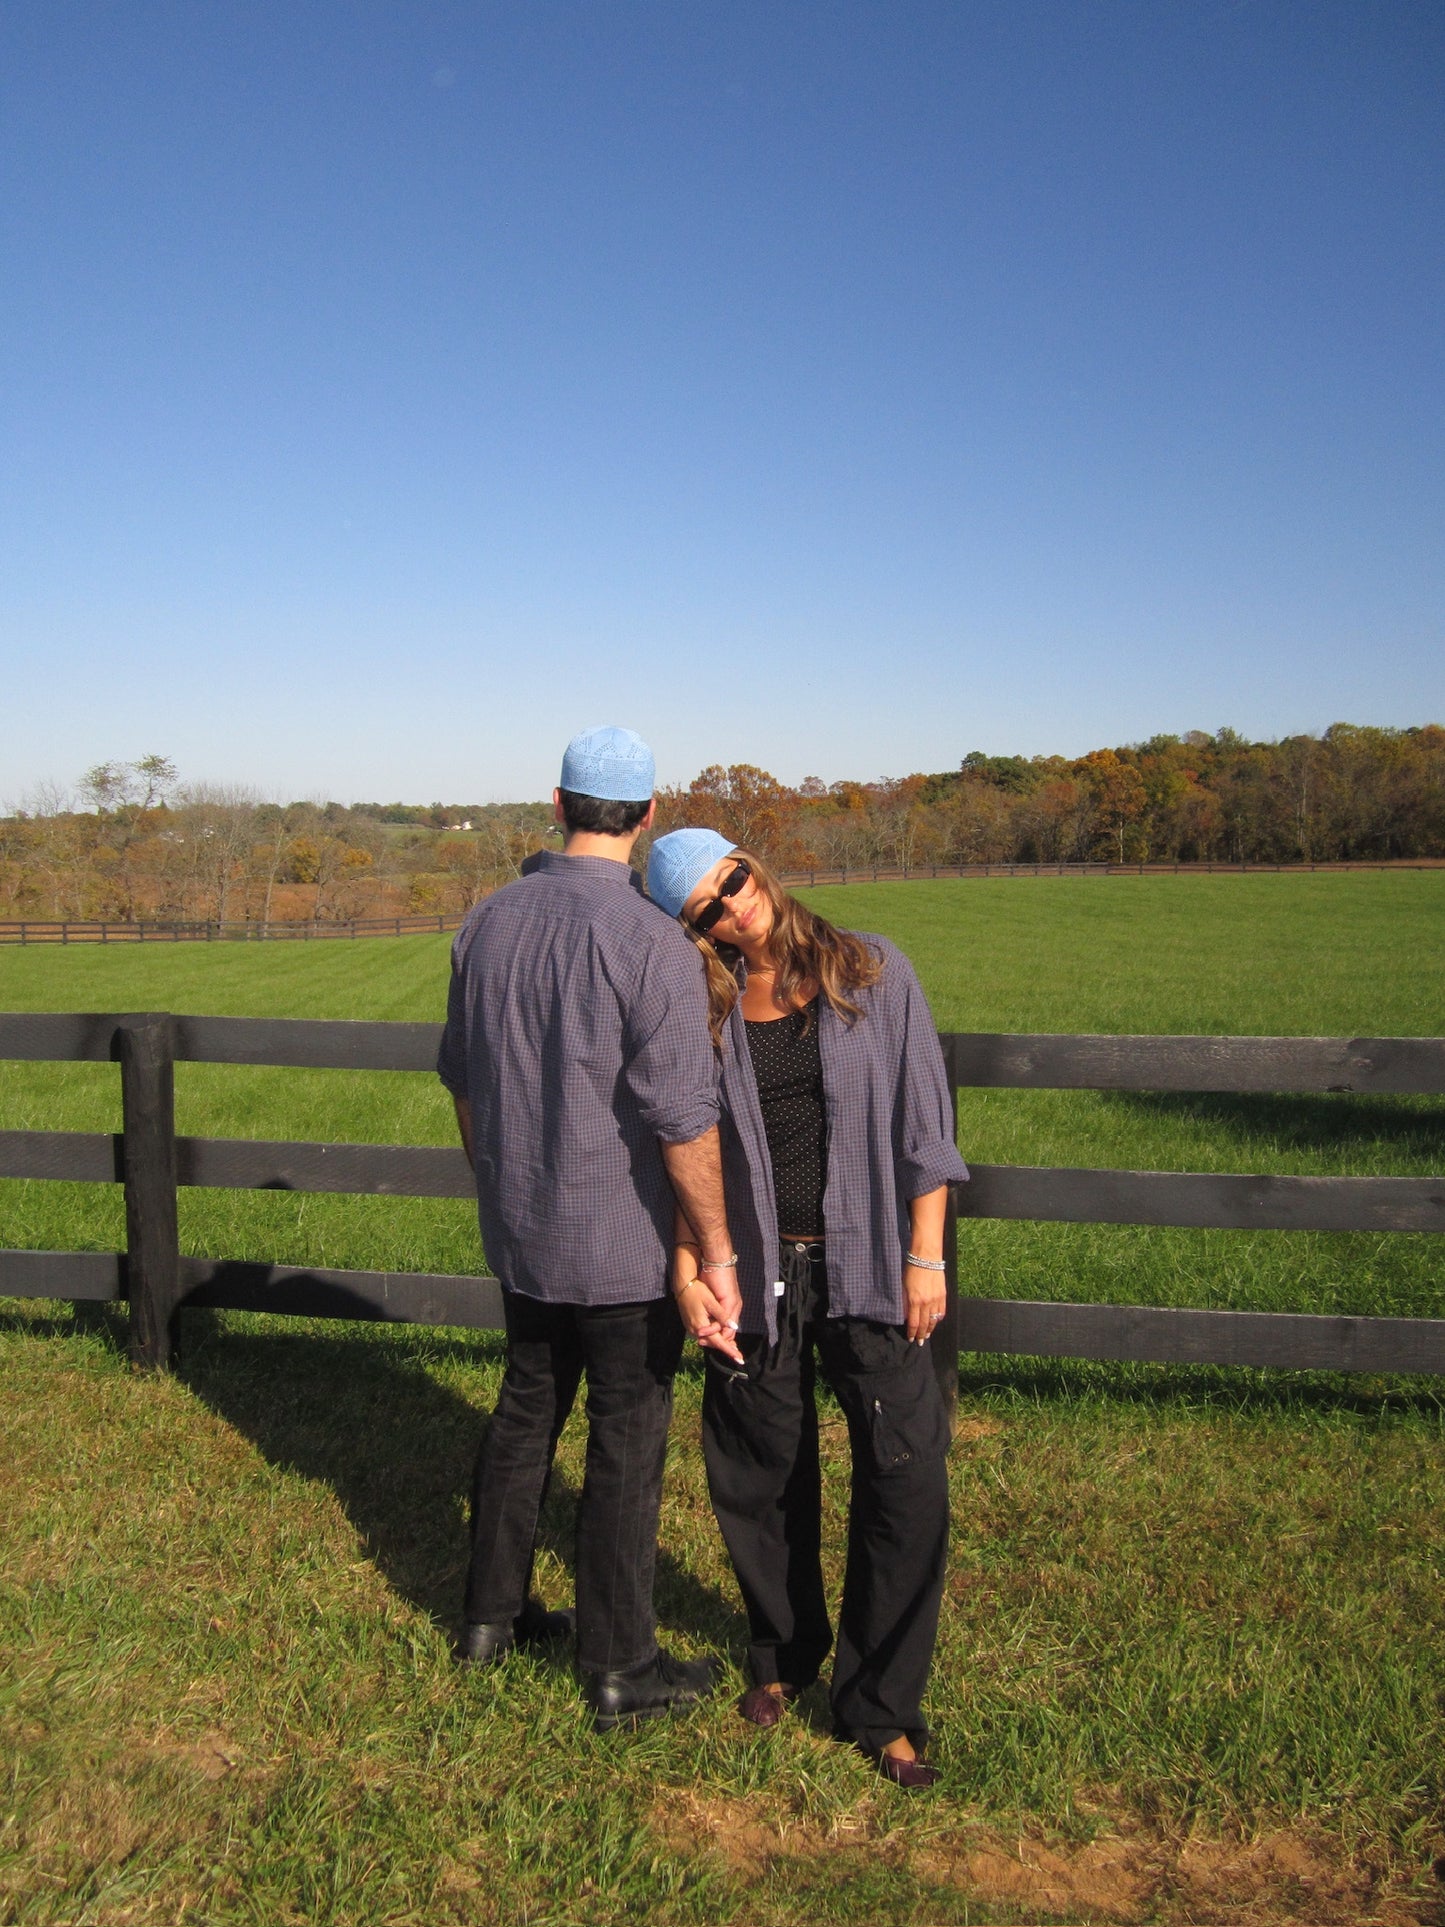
(150, 1161)
(30, 930)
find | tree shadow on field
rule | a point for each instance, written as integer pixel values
(1319, 1121)
(358, 1412)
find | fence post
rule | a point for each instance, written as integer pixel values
(944, 1342)
(146, 1048)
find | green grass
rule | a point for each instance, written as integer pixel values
(1186, 1610)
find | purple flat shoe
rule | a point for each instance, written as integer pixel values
(759, 1707)
(911, 1775)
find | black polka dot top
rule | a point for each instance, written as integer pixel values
(789, 1074)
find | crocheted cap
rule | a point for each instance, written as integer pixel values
(611, 763)
(679, 861)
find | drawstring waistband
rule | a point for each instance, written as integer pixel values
(796, 1261)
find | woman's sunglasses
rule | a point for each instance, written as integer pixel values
(715, 906)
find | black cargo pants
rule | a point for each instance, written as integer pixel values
(760, 1441)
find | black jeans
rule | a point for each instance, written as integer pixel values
(629, 1354)
(760, 1441)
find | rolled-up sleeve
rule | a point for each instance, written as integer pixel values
(925, 1154)
(671, 1066)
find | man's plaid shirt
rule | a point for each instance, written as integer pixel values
(577, 1031)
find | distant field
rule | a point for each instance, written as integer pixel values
(1344, 954)
(1190, 1667)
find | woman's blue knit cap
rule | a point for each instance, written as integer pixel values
(679, 861)
(611, 763)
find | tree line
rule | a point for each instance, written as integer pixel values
(132, 841)
(1355, 792)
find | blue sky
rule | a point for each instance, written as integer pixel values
(391, 389)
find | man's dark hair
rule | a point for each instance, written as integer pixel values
(599, 815)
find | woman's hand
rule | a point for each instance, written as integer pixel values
(924, 1299)
(709, 1308)
(925, 1295)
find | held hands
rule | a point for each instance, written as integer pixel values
(924, 1300)
(708, 1301)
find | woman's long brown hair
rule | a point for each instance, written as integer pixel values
(805, 948)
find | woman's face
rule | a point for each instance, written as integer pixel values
(747, 916)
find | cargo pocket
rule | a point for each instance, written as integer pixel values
(904, 1411)
(738, 1416)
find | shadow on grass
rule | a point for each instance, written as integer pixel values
(366, 1418)
(1310, 1122)
(1204, 1388)
(107, 1321)
(403, 1446)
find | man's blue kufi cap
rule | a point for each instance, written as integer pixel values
(611, 763)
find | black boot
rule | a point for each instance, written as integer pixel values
(643, 1692)
(485, 1640)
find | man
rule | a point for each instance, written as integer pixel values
(578, 1055)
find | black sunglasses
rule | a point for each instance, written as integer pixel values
(729, 887)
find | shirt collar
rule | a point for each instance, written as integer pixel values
(605, 868)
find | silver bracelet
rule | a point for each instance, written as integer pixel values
(719, 1264)
(924, 1264)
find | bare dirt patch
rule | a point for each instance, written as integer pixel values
(1106, 1880)
(967, 1428)
(1283, 1879)
(749, 1834)
(1288, 1878)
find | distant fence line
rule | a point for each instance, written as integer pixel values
(28, 930)
(197, 930)
(150, 1160)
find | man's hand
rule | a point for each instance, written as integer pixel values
(711, 1315)
(707, 1295)
(710, 1310)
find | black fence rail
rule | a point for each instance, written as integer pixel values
(151, 1161)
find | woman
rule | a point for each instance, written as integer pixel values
(837, 1154)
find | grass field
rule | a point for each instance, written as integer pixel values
(1191, 1665)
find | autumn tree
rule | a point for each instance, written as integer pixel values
(1117, 792)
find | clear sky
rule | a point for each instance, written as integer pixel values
(389, 389)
